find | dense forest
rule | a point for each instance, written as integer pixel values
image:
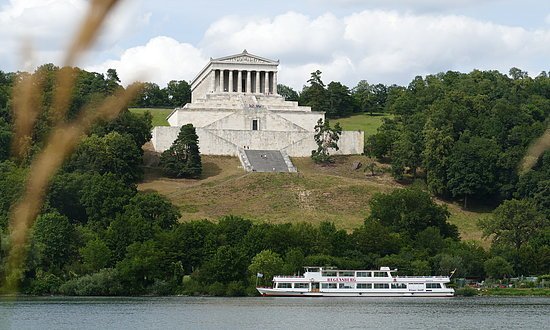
(460, 136)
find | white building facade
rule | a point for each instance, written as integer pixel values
(235, 106)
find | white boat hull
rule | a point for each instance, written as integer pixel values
(372, 293)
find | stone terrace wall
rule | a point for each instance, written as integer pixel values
(226, 142)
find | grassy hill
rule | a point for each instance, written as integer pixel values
(159, 114)
(335, 193)
(317, 193)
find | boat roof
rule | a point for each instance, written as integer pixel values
(387, 269)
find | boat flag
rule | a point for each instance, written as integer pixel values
(259, 275)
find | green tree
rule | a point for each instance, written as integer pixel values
(411, 211)
(226, 265)
(288, 93)
(178, 92)
(326, 138)
(138, 126)
(113, 81)
(182, 159)
(144, 263)
(498, 268)
(113, 153)
(103, 196)
(315, 95)
(514, 223)
(473, 167)
(151, 96)
(55, 239)
(339, 100)
(267, 263)
(5, 139)
(12, 179)
(95, 255)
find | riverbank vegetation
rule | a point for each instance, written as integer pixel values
(460, 137)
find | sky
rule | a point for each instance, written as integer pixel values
(381, 41)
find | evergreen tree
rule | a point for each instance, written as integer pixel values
(183, 159)
(326, 138)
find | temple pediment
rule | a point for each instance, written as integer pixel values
(245, 57)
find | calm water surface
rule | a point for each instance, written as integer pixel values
(275, 313)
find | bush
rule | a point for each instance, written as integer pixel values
(466, 292)
(103, 283)
(235, 289)
(45, 284)
(216, 289)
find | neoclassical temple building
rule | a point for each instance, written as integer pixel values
(236, 111)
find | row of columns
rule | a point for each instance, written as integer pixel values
(263, 81)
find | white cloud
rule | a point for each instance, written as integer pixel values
(314, 38)
(162, 59)
(380, 46)
(377, 45)
(418, 4)
(48, 26)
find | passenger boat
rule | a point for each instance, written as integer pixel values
(328, 282)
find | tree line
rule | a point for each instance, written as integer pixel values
(98, 235)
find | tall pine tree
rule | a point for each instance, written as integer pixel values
(183, 159)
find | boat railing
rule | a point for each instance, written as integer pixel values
(287, 276)
(399, 276)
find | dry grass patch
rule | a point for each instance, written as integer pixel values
(335, 193)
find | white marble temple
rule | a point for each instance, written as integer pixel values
(235, 105)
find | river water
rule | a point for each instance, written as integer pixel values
(275, 313)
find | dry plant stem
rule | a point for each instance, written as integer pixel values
(27, 100)
(535, 150)
(87, 33)
(88, 30)
(60, 144)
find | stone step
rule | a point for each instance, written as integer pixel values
(268, 161)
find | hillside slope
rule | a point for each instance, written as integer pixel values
(317, 193)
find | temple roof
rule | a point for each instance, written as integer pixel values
(244, 57)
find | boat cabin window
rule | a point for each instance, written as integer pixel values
(433, 286)
(301, 285)
(380, 274)
(329, 273)
(345, 274)
(381, 286)
(346, 286)
(398, 286)
(284, 285)
(328, 286)
(364, 286)
(364, 274)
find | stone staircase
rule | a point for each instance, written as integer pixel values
(265, 161)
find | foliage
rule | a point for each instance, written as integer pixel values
(138, 126)
(411, 211)
(55, 238)
(514, 223)
(287, 92)
(182, 159)
(5, 139)
(103, 283)
(176, 94)
(113, 153)
(464, 133)
(497, 268)
(326, 138)
(12, 179)
(95, 255)
(267, 263)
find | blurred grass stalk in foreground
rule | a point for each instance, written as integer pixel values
(64, 137)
